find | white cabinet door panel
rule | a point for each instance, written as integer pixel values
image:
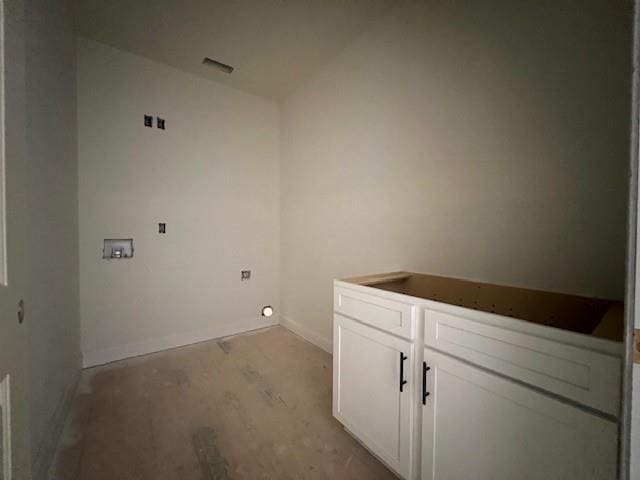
(480, 426)
(366, 396)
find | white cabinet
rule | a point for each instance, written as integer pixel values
(373, 395)
(508, 399)
(482, 426)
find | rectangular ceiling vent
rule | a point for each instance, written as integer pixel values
(216, 64)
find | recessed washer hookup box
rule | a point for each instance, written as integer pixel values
(117, 248)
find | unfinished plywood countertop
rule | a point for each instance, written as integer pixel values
(592, 316)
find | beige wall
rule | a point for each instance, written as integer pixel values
(212, 176)
(484, 140)
(51, 260)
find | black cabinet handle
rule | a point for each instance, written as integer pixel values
(403, 357)
(425, 394)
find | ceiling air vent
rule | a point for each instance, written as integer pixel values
(216, 64)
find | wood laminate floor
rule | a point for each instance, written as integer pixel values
(254, 406)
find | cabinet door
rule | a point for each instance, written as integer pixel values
(368, 397)
(478, 425)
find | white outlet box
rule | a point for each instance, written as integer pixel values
(5, 429)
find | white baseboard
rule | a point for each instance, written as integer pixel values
(112, 354)
(318, 340)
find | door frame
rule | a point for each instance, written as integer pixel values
(632, 267)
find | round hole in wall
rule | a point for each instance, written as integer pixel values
(267, 311)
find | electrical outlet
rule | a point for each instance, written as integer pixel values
(160, 123)
(148, 121)
(162, 228)
(245, 275)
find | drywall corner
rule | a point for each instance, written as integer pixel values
(306, 333)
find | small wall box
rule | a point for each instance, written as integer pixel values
(117, 248)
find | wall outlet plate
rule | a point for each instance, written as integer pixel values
(245, 275)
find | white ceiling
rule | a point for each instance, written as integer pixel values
(274, 45)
